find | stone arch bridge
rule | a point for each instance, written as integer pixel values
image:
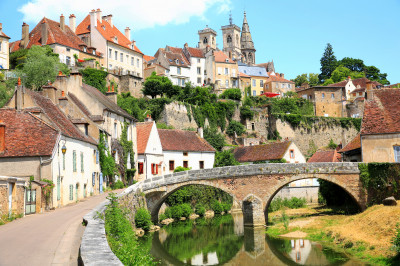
(253, 186)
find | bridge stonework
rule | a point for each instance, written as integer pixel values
(253, 186)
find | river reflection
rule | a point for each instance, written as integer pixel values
(224, 241)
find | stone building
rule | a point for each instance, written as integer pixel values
(197, 62)
(231, 40)
(276, 83)
(222, 71)
(352, 151)
(60, 37)
(4, 49)
(258, 77)
(247, 45)
(380, 130)
(12, 195)
(207, 39)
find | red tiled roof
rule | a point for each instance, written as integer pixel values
(26, 135)
(55, 35)
(361, 82)
(2, 34)
(242, 75)
(58, 118)
(107, 32)
(358, 90)
(143, 133)
(195, 52)
(382, 112)
(325, 156)
(277, 78)
(352, 145)
(172, 57)
(177, 50)
(221, 57)
(180, 140)
(147, 58)
(265, 152)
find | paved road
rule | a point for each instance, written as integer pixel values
(50, 238)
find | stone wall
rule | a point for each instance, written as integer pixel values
(310, 193)
(176, 115)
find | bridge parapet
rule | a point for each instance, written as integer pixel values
(250, 170)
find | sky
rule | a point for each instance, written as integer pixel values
(293, 33)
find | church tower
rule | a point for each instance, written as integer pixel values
(230, 35)
(207, 37)
(247, 45)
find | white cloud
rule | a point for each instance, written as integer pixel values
(137, 14)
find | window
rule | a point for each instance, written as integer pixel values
(127, 59)
(186, 164)
(254, 83)
(289, 86)
(154, 169)
(121, 57)
(323, 95)
(291, 154)
(116, 55)
(115, 130)
(82, 166)
(109, 53)
(205, 40)
(254, 93)
(201, 164)
(74, 161)
(71, 192)
(179, 71)
(63, 161)
(261, 83)
(277, 85)
(229, 39)
(137, 62)
(396, 154)
(68, 60)
(199, 70)
(132, 61)
(233, 72)
(198, 80)
(140, 166)
(97, 157)
(253, 126)
(84, 49)
(171, 165)
(226, 71)
(198, 60)
(333, 96)
(219, 70)
(227, 83)
(68, 49)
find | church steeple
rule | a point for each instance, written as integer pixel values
(247, 45)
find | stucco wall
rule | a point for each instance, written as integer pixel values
(193, 159)
(4, 53)
(379, 148)
(310, 193)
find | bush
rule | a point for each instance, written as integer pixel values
(186, 210)
(162, 216)
(118, 185)
(246, 113)
(215, 139)
(224, 158)
(233, 94)
(143, 219)
(181, 169)
(217, 207)
(233, 127)
(200, 210)
(292, 203)
(332, 145)
(176, 212)
(226, 207)
(168, 212)
(396, 239)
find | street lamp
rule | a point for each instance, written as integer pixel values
(63, 149)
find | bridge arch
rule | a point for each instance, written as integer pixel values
(156, 197)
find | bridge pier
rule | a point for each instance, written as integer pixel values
(253, 211)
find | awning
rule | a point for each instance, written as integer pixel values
(270, 94)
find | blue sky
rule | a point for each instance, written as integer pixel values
(293, 33)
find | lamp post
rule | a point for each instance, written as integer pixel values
(63, 149)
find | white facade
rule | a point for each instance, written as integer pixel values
(294, 155)
(178, 75)
(193, 159)
(4, 52)
(197, 68)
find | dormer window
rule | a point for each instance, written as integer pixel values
(227, 60)
(84, 49)
(177, 61)
(94, 52)
(116, 39)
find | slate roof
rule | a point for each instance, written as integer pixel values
(58, 119)
(143, 133)
(265, 152)
(253, 71)
(361, 82)
(107, 103)
(221, 57)
(55, 36)
(107, 32)
(353, 144)
(382, 113)
(26, 135)
(181, 140)
(322, 156)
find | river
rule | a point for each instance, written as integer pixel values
(223, 240)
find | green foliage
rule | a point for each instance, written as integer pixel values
(235, 127)
(158, 85)
(47, 190)
(292, 203)
(285, 219)
(176, 211)
(18, 58)
(41, 66)
(226, 206)
(328, 63)
(181, 169)
(381, 180)
(283, 160)
(5, 93)
(162, 216)
(217, 207)
(168, 212)
(246, 113)
(332, 145)
(342, 73)
(232, 94)
(107, 163)
(121, 237)
(95, 77)
(186, 210)
(118, 185)
(396, 239)
(311, 79)
(214, 138)
(143, 219)
(128, 153)
(225, 158)
(285, 105)
(200, 209)
(163, 126)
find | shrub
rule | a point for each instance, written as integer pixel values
(233, 127)
(143, 219)
(348, 244)
(332, 145)
(226, 207)
(162, 216)
(217, 207)
(200, 210)
(176, 212)
(292, 203)
(246, 113)
(285, 219)
(118, 185)
(181, 169)
(224, 158)
(233, 94)
(396, 239)
(186, 210)
(168, 212)
(217, 140)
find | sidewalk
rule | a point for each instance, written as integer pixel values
(50, 238)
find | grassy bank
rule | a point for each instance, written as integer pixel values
(367, 235)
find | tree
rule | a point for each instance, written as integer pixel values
(42, 66)
(311, 79)
(217, 140)
(233, 127)
(233, 94)
(352, 64)
(328, 63)
(157, 85)
(225, 158)
(341, 73)
(95, 77)
(374, 74)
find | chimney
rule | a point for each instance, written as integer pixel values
(93, 19)
(25, 35)
(62, 22)
(1, 27)
(112, 95)
(369, 90)
(200, 132)
(50, 92)
(128, 33)
(44, 32)
(98, 13)
(282, 75)
(72, 22)
(2, 137)
(148, 118)
(109, 20)
(348, 78)
(19, 91)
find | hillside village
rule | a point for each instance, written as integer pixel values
(113, 114)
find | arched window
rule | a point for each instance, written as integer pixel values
(244, 57)
(229, 39)
(250, 58)
(213, 40)
(205, 40)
